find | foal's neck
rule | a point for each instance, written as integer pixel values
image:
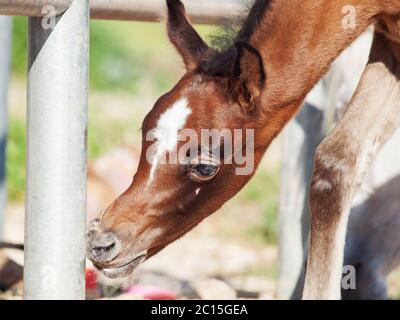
(299, 39)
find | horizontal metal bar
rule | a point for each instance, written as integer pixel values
(199, 11)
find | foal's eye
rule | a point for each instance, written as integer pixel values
(204, 170)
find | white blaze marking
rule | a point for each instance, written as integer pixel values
(167, 129)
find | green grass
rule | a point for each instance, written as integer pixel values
(19, 45)
(102, 136)
(265, 271)
(16, 160)
(126, 55)
(263, 189)
(123, 55)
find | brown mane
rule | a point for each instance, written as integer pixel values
(221, 61)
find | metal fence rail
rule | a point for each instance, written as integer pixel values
(200, 11)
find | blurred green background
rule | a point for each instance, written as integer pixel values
(135, 61)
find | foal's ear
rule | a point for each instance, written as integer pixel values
(248, 76)
(185, 39)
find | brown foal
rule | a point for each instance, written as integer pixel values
(258, 83)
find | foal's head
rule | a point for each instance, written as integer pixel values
(186, 172)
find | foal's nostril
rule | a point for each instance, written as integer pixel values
(100, 250)
(105, 247)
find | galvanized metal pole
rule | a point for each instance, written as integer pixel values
(5, 63)
(56, 155)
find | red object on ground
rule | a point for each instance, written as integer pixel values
(151, 293)
(91, 282)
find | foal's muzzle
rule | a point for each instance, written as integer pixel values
(102, 247)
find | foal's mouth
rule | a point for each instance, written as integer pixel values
(122, 270)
